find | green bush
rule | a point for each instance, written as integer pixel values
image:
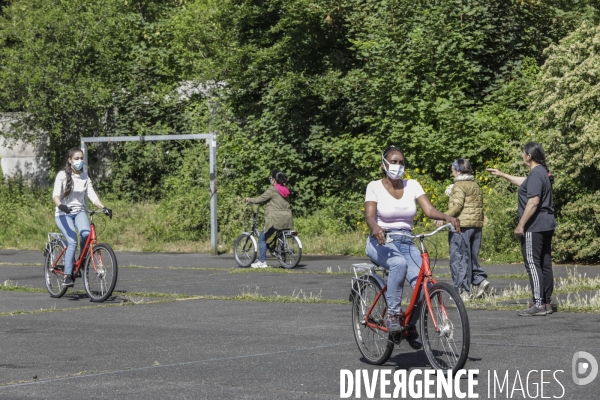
(566, 100)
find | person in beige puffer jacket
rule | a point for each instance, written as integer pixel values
(466, 203)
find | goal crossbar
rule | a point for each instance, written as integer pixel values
(212, 144)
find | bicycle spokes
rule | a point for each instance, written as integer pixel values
(446, 343)
(54, 267)
(368, 319)
(100, 272)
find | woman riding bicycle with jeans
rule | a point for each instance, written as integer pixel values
(71, 186)
(278, 214)
(390, 203)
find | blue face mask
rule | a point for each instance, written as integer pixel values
(78, 165)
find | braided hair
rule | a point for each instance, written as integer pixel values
(68, 170)
(536, 151)
(279, 177)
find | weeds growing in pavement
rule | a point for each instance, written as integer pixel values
(297, 296)
(278, 270)
(10, 286)
(580, 303)
(571, 285)
(576, 282)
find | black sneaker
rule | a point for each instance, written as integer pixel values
(533, 310)
(413, 338)
(68, 281)
(549, 309)
(393, 323)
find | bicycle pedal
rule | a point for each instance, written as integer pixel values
(396, 337)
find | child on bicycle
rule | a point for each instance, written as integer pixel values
(390, 204)
(71, 186)
(278, 214)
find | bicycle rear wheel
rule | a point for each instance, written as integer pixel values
(244, 250)
(100, 273)
(290, 251)
(54, 280)
(374, 344)
(448, 347)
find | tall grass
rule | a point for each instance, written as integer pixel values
(26, 215)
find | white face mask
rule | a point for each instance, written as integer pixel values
(394, 171)
(78, 165)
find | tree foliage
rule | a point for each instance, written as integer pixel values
(96, 68)
(316, 88)
(566, 99)
(322, 87)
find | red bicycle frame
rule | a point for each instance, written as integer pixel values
(89, 244)
(425, 274)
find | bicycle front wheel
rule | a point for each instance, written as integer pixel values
(374, 344)
(290, 252)
(100, 273)
(54, 280)
(448, 346)
(244, 250)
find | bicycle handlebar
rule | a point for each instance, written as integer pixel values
(389, 232)
(107, 213)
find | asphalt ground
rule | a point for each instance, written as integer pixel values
(199, 348)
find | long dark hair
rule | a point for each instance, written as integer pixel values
(279, 177)
(68, 170)
(536, 151)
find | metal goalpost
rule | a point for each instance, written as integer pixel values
(212, 144)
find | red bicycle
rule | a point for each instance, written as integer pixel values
(98, 261)
(443, 320)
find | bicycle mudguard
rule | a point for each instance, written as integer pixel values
(253, 240)
(53, 236)
(354, 288)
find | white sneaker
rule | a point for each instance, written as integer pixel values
(259, 264)
(465, 296)
(483, 288)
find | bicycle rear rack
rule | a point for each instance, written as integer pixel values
(52, 236)
(367, 268)
(362, 272)
(55, 235)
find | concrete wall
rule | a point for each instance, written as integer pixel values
(20, 158)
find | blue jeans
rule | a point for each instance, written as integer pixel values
(262, 243)
(464, 262)
(403, 260)
(66, 224)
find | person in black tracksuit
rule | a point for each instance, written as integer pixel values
(536, 226)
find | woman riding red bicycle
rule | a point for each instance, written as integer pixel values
(390, 205)
(71, 186)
